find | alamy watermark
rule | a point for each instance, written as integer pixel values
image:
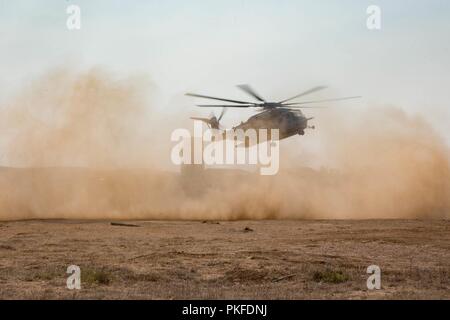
(73, 21)
(74, 280)
(373, 21)
(230, 147)
(374, 280)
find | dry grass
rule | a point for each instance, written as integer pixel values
(93, 276)
(330, 276)
(195, 260)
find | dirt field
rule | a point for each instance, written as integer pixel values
(225, 260)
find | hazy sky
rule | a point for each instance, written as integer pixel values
(280, 47)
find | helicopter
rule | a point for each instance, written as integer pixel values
(283, 115)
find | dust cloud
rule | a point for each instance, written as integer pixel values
(89, 145)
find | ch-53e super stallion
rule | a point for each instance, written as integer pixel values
(283, 115)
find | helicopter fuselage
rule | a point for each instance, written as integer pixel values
(289, 122)
(283, 116)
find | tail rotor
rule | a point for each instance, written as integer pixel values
(213, 122)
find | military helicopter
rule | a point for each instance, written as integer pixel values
(281, 115)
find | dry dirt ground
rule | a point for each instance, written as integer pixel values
(225, 260)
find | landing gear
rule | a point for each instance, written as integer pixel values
(301, 132)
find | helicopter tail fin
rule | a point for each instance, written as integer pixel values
(211, 122)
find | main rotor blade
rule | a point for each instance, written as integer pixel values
(305, 93)
(214, 98)
(326, 100)
(306, 107)
(227, 106)
(247, 89)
